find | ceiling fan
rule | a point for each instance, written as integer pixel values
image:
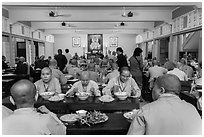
(120, 24)
(54, 13)
(124, 14)
(67, 25)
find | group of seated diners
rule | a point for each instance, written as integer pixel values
(166, 115)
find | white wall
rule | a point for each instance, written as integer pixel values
(49, 49)
(126, 41)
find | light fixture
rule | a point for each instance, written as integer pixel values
(130, 14)
(122, 24)
(63, 23)
(52, 14)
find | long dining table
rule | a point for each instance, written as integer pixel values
(71, 104)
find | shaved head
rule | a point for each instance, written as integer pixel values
(85, 78)
(23, 93)
(169, 82)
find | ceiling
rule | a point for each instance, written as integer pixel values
(93, 17)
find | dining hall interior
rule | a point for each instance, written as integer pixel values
(101, 68)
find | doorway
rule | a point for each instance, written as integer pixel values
(21, 49)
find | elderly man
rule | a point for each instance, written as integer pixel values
(168, 114)
(56, 72)
(123, 83)
(25, 120)
(84, 85)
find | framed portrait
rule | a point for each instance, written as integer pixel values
(95, 43)
(113, 41)
(76, 41)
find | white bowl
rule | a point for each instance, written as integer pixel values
(81, 112)
(121, 95)
(69, 118)
(47, 95)
(82, 95)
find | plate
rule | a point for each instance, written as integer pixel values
(73, 79)
(106, 98)
(70, 118)
(128, 115)
(56, 98)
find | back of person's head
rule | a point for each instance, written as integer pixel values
(23, 93)
(170, 83)
(91, 67)
(73, 62)
(119, 49)
(113, 53)
(155, 62)
(42, 57)
(137, 52)
(169, 65)
(59, 51)
(53, 62)
(114, 66)
(183, 61)
(67, 50)
(22, 59)
(125, 68)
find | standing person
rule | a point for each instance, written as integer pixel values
(121, 59)
(68, 55)
(61, 60)
(167, 114)
(136, 66)
(26, 120)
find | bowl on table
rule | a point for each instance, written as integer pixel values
(82, 95)
(69, 118)
(47, 95)
(81, 113)
(121, 95)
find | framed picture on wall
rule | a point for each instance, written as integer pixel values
(95, 43)
(113, 41)
(76, 41)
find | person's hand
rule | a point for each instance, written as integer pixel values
(196, 94)
(43, 109)
(92, 89)
(115, 88)
(75, 90)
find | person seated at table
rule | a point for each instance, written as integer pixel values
(198, 83)
(23, 67)
(41, 63)
(26, 120)
(93, 75)
(167, 114)
(123, 83)
(113, 74)
(4, 63)
(47, 83)
(179, 73)
(84, 85)
(74, 70)
(155, 72)
(56, 72)
(186, 68)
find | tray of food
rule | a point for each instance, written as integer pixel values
(94, 117)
